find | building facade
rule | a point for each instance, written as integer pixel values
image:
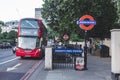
(38, 13)
(10, 25)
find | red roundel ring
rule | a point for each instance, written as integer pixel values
(65, 37)
(87, 27)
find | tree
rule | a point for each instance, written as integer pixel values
(0, 30)
(4, 35)
(1, 23)
(63, 14)
(118, 9)
(51, 33)
(12, 35)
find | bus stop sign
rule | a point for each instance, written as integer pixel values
(86, 20)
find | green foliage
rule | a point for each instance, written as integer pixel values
(12, 35)
(8, 37)
(7, 40)
(62, 16)
(51, 33)
(1, 23)
(4, 35)
(118, 9)
(1, 36)
(74, 37)
(0, 30)
(117, 26)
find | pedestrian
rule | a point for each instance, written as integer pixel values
(88, 46)
(80, 46)
(81, 49)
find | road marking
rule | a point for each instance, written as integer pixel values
(14, 67)
(9, 60)
(29, 73)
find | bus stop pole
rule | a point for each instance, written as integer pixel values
(85, 51)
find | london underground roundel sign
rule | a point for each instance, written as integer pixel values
(86, 20)
(65, 36)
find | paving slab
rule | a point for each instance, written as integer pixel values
(98, 69)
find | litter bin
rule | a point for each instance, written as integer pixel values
(104, 51)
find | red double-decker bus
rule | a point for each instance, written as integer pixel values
(32, 36)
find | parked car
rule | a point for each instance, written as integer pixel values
(8, 45)
(0, 45)
(5, 45)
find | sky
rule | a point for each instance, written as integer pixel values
(17, 9)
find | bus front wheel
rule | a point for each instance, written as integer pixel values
(22, 57)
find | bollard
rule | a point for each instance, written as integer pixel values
(115, 54)
(48, 58)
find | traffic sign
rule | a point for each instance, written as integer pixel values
(90, 22)
(79, 63)
(65, 37)
(72, 51)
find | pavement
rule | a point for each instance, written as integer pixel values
(98, 69)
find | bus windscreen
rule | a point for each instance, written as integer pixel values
(29, 23)
(27, 43)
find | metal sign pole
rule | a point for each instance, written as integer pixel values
(85, 51)
(91, 22)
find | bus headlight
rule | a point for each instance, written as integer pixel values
(39, 50)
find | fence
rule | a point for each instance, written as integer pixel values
(68, 57)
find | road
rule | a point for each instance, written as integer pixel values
(15, 68)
